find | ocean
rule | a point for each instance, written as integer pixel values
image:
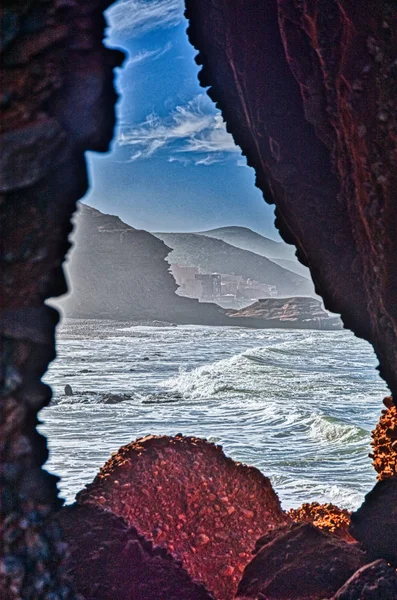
(298, 405)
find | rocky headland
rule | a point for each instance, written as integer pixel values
(118, 272)
(300, 313)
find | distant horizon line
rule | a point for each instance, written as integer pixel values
(152, 231)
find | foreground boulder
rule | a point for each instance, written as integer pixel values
(300, 563)
(376, 581)
(326, 517)
(185, 495)
(108, 560)
(374, 524)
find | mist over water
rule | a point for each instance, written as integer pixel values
(299, 405)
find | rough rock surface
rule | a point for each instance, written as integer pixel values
(299, 563)
(374, 524)
(376, 581)
(294, 312)
(185, 495)
(326, 517)
(384, 442)
(108, 560)
(56, 101)
(308, 89)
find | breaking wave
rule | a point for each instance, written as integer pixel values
(299, 405)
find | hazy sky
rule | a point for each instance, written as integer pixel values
(173, 166)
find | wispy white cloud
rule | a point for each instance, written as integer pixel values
(208, 160)
(138, 17)
(178, 159)
(143, 55)
(188, 129)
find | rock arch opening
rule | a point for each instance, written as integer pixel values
(59, 102)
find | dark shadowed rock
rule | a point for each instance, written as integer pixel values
(108, 560)
(374, 524)
(311, 100)
(184, 494)
(56, 101)
(376, 581)
(28, 153)
(300, 563)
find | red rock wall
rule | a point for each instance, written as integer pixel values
(326, 517)
(308, 89)
(384, 442)
(56, 101)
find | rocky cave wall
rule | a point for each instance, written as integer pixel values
(307, 88)
(57, 100)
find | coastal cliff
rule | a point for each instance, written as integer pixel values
(213, 255)
(118, 272)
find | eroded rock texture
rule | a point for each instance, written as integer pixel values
(308, 88)
(374, 524)
(185, 495)
(108, 560)
(299, 563)
(56, 101)
(384, 442)
(376, 581)
(326, 517)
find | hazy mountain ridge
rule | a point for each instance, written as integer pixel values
(121, 273)
(118, 272)
(247, 239)
(293, 265)
(213, 255)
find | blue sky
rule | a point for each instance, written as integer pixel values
(173, 166)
